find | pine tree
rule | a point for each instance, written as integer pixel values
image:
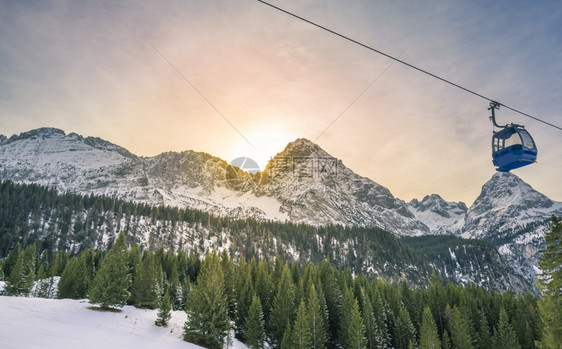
(43, 283)
(244, 291)
(11, 260)
(333, 295)
(144, 290)
(73, 280)
(301, 336)
(283, 308)
(29, 263)
(255, 333)
(446, 342)
(345, 319)
(207, 322)
(110, 287)
(372, 331)
(15, 283)
(287, 339)
(404, 330)
(316, 312)
(460, 330)
(504, 336)
(381, 311)
(549, 283)
(164, 311)
(356, 334)
(429, 339)
(263, 288)
(484, 336)
(55, 267)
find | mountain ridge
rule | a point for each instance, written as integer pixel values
(301, 184)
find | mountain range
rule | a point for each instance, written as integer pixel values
(301, 184)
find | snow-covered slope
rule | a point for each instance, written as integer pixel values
(65, 323)
(302, 184)
(439, 215)
(316, 188)
(49, 157)
(513, 216)
(508, 213)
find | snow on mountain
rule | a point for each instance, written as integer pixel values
(508, 213)
(49, 157)
(439, 215)
(66, 323)
(316, 188)
(301, 184)
(513, 216)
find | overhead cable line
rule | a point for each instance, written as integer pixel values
(203, 96)
(404, 63)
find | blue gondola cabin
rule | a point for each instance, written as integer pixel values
(513, 147)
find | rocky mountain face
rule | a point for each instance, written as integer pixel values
(439, 215)
(514, 217)
(301, 184)
(509, 213)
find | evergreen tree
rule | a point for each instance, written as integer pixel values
(381, 311)
(287, 339)
(164, 311)
(228, 271)
(504, 336)
(345, 319)
(29, 264)
(207, 322)
(12, 259)
(263, 287)
(316, 316)
(372, 331)
(460, 330)
(549, 283)
(73, 282)
(22, 274)
(301, 337)
(333, 295)
(244, 292)
(429, 339)
(356, 334)
(110, 287)
(283, 308)
(15, 282)
(255, 332)
(55, 269)
(43, 283)
(446, 342)
(404, 330)
(144, 290)
(484, 336)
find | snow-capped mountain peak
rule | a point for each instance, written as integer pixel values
(439, 215)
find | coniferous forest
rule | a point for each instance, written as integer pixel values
(72, 223)
(276, 302)
(284, 305)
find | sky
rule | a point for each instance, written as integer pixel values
(239, 78)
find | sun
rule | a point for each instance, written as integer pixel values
(260, 146)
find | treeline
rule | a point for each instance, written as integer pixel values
(72, 223)
(277, 303)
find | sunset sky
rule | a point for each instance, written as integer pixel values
(94, 68)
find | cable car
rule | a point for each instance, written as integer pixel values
(513, 146)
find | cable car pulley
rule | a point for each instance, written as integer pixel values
(512, 146)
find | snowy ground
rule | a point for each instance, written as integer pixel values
(53, 323)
